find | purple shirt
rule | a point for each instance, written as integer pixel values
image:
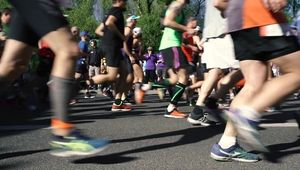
(160, 62)
(296, 25)
(150, 61)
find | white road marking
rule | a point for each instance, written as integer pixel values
(278, 125)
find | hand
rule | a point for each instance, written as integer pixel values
(195, 49)
(275, 5)
(2, 36)
(191, 31)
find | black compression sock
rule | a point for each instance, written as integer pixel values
(179, 90)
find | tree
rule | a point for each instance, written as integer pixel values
(149, 10)
(82, 16)
(292, 8)
(4, 4)
(150, 25)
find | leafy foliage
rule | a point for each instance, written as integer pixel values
(149, 10)
(4, 4)
(82, 16)
(152, 33)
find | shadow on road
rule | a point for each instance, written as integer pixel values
(20, 153)
(279, 151)
(190, 135)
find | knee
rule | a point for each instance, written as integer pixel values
(183, 79)
(225, 81)
(12, 70)
(69, 52)
(251, 88)
(129, 78)
(111, 77)
(173, 79)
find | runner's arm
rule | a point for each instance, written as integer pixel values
(110, 23)
(100, 30)
(169, 20)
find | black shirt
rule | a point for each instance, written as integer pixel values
(95, 57)
(110, 38)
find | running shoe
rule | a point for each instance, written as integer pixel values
(123, 107)
(203, 120)
(73, 101)
(88, 95)
(175, 114)
(198, 117)
(247, 129)
(212, 110)
(107, 93)
(234, 153)
(126, 101)
(139, 96)
(76, 144)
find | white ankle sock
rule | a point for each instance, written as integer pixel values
(227, 141)
(250, 113)
(171, 107)
(146, 87)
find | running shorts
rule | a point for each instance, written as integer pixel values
(33, 19)
(174, 58)
(249, 45)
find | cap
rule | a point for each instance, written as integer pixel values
(149, 48)
(83, 33)
(132, 17)
(137, 31)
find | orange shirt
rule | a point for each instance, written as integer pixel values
(187, 39)
(243, 14)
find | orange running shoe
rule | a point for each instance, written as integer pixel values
(122, 107)
(175, 114)
(139, 96)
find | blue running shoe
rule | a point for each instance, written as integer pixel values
(76, 144)
(234, 153)
(247, 129)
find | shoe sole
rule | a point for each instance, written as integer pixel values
(193, 122)
(121, 110)
(77, 153)
(89, 97)
(196, 122)
(176, 117)
(249, 135)
(228, 159)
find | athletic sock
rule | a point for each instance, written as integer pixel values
(146, 87)
(171, 107)
(198, 110)
(250, 113)
(227, 141)
(56, 123)
(61, 90)
(137, 85)
(179, 90)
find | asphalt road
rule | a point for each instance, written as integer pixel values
(140, 139)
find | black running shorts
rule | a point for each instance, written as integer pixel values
(174, 58)
(113, 55)
(33, 19)
(249, 45)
